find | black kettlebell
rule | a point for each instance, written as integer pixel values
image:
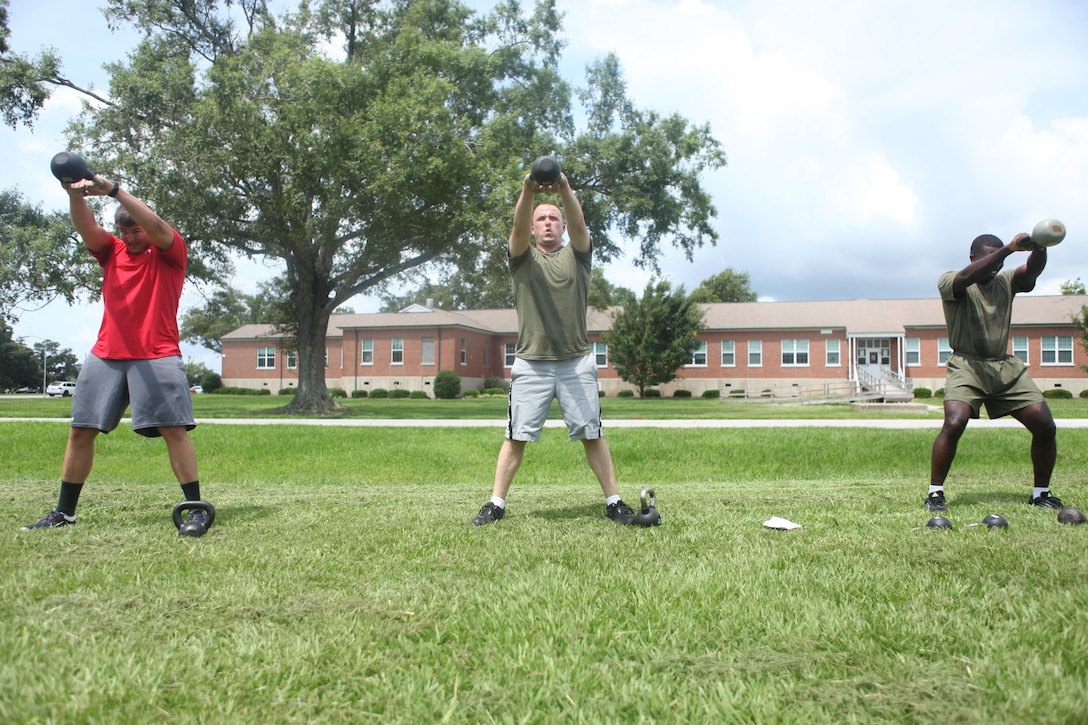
(69, 167)
(648, 516)
(545, 170)
(193, 528)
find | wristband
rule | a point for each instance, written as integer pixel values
(113, 192)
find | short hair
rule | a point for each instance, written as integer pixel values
(122, 218)
(985, 240)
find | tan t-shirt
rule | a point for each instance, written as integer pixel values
(551, 295)
(978, 324)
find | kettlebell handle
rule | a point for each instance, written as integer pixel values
(648, 499)
(190, 505)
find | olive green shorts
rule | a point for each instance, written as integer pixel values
(1003, 384)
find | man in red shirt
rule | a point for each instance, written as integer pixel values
(137, 358)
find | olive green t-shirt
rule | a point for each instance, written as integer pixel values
(551, 295)
(978, 324)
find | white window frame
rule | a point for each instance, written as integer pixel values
(944, 351)
(508, 354)
(396, 351)
(833, 353)
(729, 353)
(292, 359)
(698, 355)
(366, 351)
(793, 349)
(426, 351)
(1059, 348)
(1020, 347)
(266, 358)
(464, 351)
(912, 351)
(755, 353)
(600, 353)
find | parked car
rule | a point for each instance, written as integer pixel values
(62, 388)
(196, 389)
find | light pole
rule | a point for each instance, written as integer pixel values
(45, 361)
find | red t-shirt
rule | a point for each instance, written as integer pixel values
(141, 296)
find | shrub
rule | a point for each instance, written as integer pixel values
(600, 393)
(242, 391)
(337, 393)
(651, 393)
(938, 393)
(1057, 394)
(495, 391)
(715, 393)
(738, 393)
(447, 385)
(211, 382)
(625, 393)
(379, 393)
(495, 381)
(1084, 393)
(923, 393)
(419, 395)
(287, 391)
(359, 393)
(766, 393)
(473, 393)
(681, 393)
(398, 393)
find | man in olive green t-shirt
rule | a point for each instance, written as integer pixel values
(552, 359)
(978, 311)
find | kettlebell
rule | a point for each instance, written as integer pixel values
(648, 516)
(69, 167)
(193, 528)
(545, 170)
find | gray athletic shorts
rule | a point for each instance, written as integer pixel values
(535, 383)
(1003, 385)
(157, 389)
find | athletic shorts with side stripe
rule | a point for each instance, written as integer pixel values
(535, 383)
(157, 390)
(1002, 384)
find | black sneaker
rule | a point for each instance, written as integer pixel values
(1043, 500)
(488, 514)
(51, 520)
(935, 502)
(620, 512)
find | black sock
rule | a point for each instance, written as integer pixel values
(69, 497)
(191, 491)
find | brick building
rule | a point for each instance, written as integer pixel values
(785, 349)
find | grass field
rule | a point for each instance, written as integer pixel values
(343, 582)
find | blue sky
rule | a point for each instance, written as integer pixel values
(869, 141)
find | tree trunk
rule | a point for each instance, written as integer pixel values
(313, 323)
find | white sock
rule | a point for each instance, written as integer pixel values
(611, 500)
(1040, 491)
(935, 489)
(500, 502)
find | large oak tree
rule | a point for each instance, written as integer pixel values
(357, 141)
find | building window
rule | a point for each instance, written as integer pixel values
(795, 353)
(1057, 350)
(698, 356)
(485, 356)
(729, 354)
(464, 351)
(266, 358)
(292, 359)
(833, 353)
(912, 346)
(366, 357)
(396, 351)
(1020, 348)
(943, 350)
(600, 352)
(510, 348)
(755, 353)
(426, 355)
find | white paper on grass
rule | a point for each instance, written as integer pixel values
(776, 522)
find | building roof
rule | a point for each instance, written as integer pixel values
(859, 318)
